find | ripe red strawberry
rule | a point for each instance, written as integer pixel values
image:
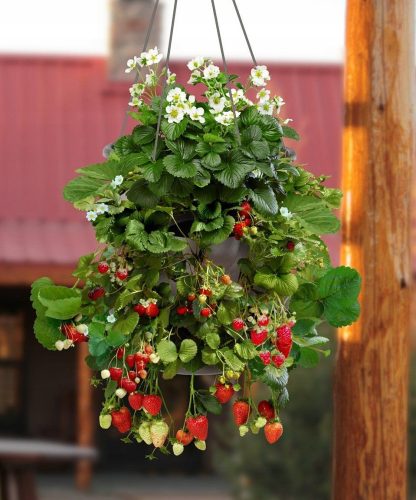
(265, 357)
(115, 373)
(223, 393)
(191, 297)
(132, 375)
(136, 400)
(258, 336)
(284, 339)
(263, 320)
(152, 404)
(96, 293)
(205, 312)
(238, 324)
(121, 419)
(247, 222)
(205, 291)
(122, 274)
(241, 412)
(273, 431)
(278, 360)
(290, 245)
(120, 353)
(245, 209)
(71, 333)
(184, 437)
(130, 360)
(198, 426)
(152, 310)
(238, 230)
(140, 309)
(128, 385)
(226, 279)
(181, 310)
(266, 409)
(103, 267)
(148, 349)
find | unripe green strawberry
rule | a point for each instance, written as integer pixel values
(201, 445)
(105, 421)
(243, 429)
(260, 422)
(254, 429)
(144, 432)
(159, 431)
(178, 449)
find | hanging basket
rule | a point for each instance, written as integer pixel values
(213, 262)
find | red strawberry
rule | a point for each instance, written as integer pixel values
(238, 324)
(205, 291)
(241, 412)
(140, 309)
(258, 336)
(96, 293)
(130, 360)
(136, 400)
(278, 360)
(226, 279)
(152, 404)
(122, 274)
(152, 310)
(245, 209)
(181, 310)
(115, 373)
(247, 222)
(198, 426)
(223, 393)
(265, 357)
(184, 437)
(121, 419)
(132, 375)
(273, 431)
(148, 349)
(120, 353)
(266, 409)
(205, 312)
(284, 339)
(191, 297)
(71, 333)
(263, 320)
(128, 385)
(290, 245)
(103, 267)
(238, 230)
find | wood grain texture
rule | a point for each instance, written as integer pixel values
(371, 382)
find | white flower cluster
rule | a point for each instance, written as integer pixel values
(99, 209)
(181, 105)
(153, 56)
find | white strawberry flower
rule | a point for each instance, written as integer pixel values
(144, 59)
(117, 181)
(174, 114)
(197, 114)
(137, 89)
(111, 318)
(196, 63)
(151, 79)
(91, 216)
(131, 64)
(135, 102)
(284, 212)
(176, 96)
(226, 118)
(194, 76)
(101, 208)
(211, 72)
(171, 78)
(239, 96)
(217, 103)
(279, 102)
(259, 76)
(154, 56)
(266, 108)
(263, 95)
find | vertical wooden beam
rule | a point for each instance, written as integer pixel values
(85, 416)
(371, 384)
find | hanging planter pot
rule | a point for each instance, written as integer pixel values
(212, 263)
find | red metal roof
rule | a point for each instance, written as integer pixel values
(56, 115)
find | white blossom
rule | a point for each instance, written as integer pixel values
(174, 114)
(176, 96)
(117, 181)
(137, 89)
(101, 208)
(154, 56)
(196, 63)
(171, 78)
(194, 76)
(263, 95)
(217, 103)
(226, 118)
(239, 96)
(111, 318)
(284, 212)
(259, 76)
(197, 114)
(211, 72)
(136, 102)
(279, 102)
(131, 64)
(151, 79)
(266, 108)
(91, 215)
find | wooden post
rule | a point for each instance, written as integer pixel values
(85, 416)
(371, 383)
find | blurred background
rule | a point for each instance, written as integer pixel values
(63, 92)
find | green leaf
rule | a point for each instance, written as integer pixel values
(47, 332)
(275, 378)
(233, 361)
(166, 349)
(260, 149)
(212, 138)
(97, 346)
(174, 130)
(226, 312)
(309, 341)
(308, 358)
(81, 187)
(141, 195)
(339, 289)
(84, 266)
(235, 169)
(290, 133)
(143, 135)
(213, 340)
(182, 148)
(264, 199)
(170, 370)
(34, 295)
(125, 325)
(209, 357)
(219, 235)
(284, 285)
(136, 236)
(212, 161)
(153, 171)
(250, 116)
(179, 168)
(246, 350)
(210, 403)
(313, 214)
(304, 327)
(60, 302)
(187, 350)
(305, 302)
(251, 133)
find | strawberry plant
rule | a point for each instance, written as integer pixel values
(152, 301)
